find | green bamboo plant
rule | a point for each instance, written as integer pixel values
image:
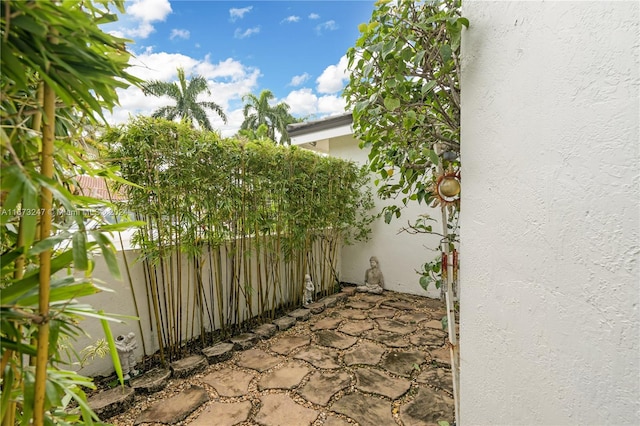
(232, 226)
(58, 71)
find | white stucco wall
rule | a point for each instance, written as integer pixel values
(550, 320)
(400, 255)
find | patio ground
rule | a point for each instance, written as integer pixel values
(348, 359)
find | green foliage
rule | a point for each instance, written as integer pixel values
(187, 106)
(404, 92)
(249, 210)
(59, 70)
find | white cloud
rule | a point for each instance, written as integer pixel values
(141, 14)
(314, 16)
(331, 105)
(176, 33)
(304, 102)
(326, 26)
(333, 78)
(291, 18)
(246, 33)
(236, 14)
(228, 81)
(149, 10)
(297, 80)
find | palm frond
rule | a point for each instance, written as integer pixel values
(215, 107)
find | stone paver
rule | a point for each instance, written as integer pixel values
(441, 355)
(414, 317)
(425, 338)
(315, 308)
(287, 377)
(223, 414)
(322, 385)
(319, 357)
(285, 322)
(265, 331)
(382, 313)
(152, 381)
(391, 340)
(366, 353)
(287, 344)
(329, 302)
(300, 314)
(398, 304)
(439, 378)
(349, 291)
(229, 382)
(374, 381)
(373, 298)
(258, 360)
(336, 421)
(112, 402)
(174, 409)
(366, 410)
(440, 408)
(244, 341)
(435, 324)
(403, 363)
(353, 314)
(359, 304)
(355, 328)
(334, 340)
(327, 323)
(218, 352)
(394, 326)
(280, 409)
(189, 366)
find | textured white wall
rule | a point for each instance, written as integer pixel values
(401, 254)
(550, 320)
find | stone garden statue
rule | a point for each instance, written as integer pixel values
(126, 345)
(373, 279)
(309, 289)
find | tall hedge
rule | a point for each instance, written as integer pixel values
(256, 216)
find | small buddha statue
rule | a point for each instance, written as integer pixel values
(373, 279)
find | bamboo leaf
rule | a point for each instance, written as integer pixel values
(112, 348)
(7, 387)
(30, 215)
(108, 251)
(80, 251)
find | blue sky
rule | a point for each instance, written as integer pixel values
(293, 48)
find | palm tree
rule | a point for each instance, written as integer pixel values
(187, 107)
(257, 111)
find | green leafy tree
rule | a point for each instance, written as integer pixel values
(59, 69)
(185, 94)
(404, 92)
(258, 111)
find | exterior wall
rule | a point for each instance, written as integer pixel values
(550, 319)
(120, 300)
(400, 255)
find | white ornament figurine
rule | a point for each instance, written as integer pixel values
(309, 288)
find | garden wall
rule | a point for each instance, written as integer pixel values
(400, 253)
(121, 300)
(550, 318)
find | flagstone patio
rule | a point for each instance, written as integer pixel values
(351, 358)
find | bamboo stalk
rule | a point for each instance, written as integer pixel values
(18, 272)
(46, 204)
